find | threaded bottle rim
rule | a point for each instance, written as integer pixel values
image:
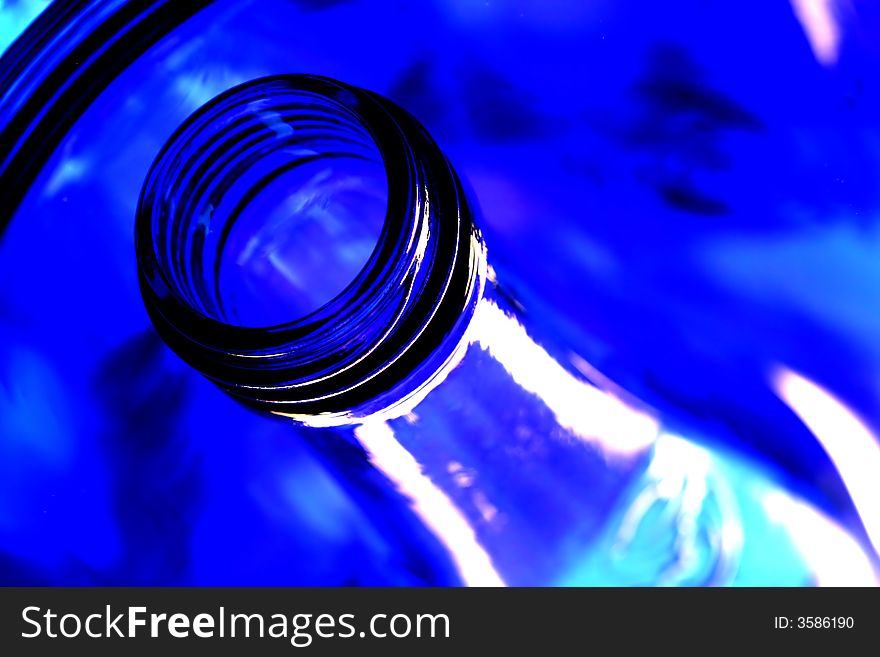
(378, 340)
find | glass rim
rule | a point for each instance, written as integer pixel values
(410, 296)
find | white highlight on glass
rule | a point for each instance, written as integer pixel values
(820, 25)
(594, 415)
(833, 556)
(431, 504)
(850, 445)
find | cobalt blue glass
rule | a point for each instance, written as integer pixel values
(679, 202)
(532, 474)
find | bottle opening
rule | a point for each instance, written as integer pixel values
(306, 245)
(281, 202)
(302, 238)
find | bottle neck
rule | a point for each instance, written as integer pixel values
(535, 472)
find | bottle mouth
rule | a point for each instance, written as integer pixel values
(343, 337)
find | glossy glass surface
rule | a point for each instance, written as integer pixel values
(681, 196)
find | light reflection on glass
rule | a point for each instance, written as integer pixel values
(850, 444)
(820, 26)
(430, 503)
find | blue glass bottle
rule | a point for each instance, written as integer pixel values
(307, 246)
(690, 214)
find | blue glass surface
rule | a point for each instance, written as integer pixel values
(681, 194)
